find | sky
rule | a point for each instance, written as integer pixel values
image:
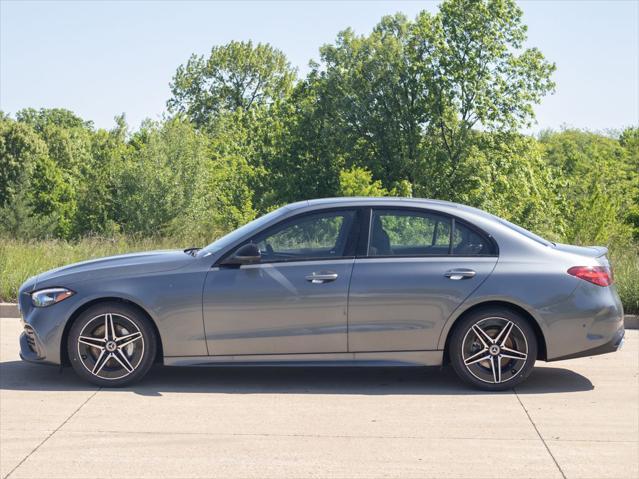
(103, 58)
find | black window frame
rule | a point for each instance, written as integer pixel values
(365, 237)
(352, 239)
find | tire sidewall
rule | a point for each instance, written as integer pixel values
(456, 345)
(138, 318)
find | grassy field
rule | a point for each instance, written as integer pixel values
(20, 259)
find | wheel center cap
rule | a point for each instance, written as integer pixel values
(111, 346)
(494, 350)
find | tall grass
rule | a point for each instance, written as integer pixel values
(625, 264)
(21, 259)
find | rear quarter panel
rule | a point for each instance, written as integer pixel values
(573, 315)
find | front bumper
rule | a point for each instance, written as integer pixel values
(41, 338)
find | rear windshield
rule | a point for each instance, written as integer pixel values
(512, 226)
(525, 232)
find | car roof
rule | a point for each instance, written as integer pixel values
(390, 201)
(367, 200)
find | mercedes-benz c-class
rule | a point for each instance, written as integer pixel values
(344, 281)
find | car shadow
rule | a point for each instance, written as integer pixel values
(21, 376)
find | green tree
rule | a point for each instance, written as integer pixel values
(20, 150)
(359, 182)
(153, 183)
(40, 119)
(235, 76)
(600, 180)
(506, 174)
(97, 185)
(31, 183)
(629, 140)
(404, 101)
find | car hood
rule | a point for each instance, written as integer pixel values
(113, 266)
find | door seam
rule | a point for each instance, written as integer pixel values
(348, 305)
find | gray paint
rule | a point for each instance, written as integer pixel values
(273, 309)
(399, 310)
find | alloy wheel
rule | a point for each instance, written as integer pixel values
(494, 350)
(110, 346)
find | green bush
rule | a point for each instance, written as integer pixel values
(625, 264)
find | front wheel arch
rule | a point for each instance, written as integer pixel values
(64, 353)
(541, 340)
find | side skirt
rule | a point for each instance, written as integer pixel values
(381, 358)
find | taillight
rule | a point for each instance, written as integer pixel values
(599, 275)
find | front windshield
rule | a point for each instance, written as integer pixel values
(237, 234)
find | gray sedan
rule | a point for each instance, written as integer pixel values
(346, 281)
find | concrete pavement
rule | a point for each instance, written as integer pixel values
(574, 419)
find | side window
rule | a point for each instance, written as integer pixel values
(408, 233)
(321, 235)
(421, 233)
(469, 243)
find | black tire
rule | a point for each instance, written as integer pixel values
(479, 363)
(122, 358)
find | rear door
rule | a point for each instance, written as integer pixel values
(418, 268)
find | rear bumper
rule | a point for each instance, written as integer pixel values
(615, 344)
(588, 322)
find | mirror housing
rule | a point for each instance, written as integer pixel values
(247, 254)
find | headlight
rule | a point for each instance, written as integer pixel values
(47, 297)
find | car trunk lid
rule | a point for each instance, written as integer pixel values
(589, 251)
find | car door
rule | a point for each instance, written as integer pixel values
(295, 299)
(418, 268)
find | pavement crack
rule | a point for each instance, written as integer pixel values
(49, 436)
(539, 434)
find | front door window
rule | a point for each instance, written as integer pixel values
(317, 236)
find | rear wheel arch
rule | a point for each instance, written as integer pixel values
(64, 353)
(488, 305)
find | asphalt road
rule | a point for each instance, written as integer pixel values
(577, 418)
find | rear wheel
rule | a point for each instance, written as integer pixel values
(493, 349)
(111, 345)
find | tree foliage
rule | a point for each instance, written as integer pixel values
(426, 107)
(235, 76)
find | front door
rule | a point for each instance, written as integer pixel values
(419, 267)
(295, 299)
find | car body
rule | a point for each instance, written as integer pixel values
(362, 281)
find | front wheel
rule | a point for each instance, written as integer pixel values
(493, 349)
(111, 345)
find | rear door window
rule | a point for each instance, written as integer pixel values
(397, 232)
(408, 233)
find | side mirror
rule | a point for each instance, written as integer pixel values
(247, 254)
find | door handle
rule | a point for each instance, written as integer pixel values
(457, 274)
(322, 277)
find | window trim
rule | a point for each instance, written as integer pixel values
(351, 239)
(494, 253)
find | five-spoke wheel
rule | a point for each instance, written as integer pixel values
(493, 349)
(111, 344)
